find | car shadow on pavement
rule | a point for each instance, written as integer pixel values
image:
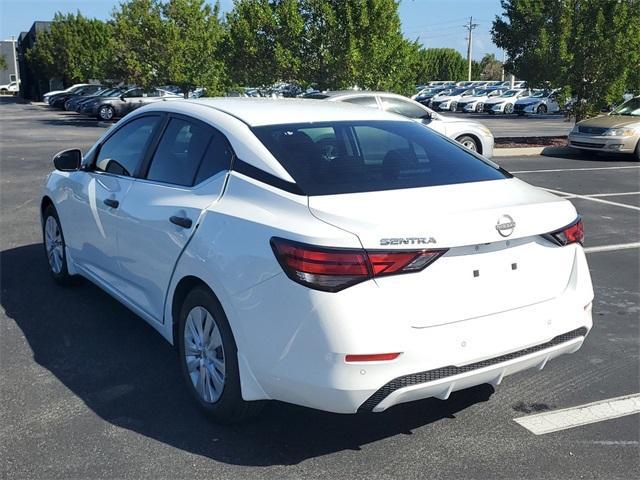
(129, 376)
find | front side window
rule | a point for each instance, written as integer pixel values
(179, 152)
(122, 152)
(328, 158)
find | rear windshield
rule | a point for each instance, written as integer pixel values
(364, 156)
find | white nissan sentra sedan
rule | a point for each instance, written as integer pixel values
(319, 253)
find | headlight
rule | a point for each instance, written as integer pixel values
(575, 129)
(619, 132)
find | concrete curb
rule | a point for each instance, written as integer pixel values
(526, 151)
(517, 152)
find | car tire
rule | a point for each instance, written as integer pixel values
(637, 154)
(106, 113)
(508, 109)
(469, 142)
(541, 110)
(55, 246)
(479, 107)
(4, 91)
(210, 371)
(453, 107)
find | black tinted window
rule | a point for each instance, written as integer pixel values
(124, 150)
(216, 159)
(403, 107)
(349, 157)
(179, 152)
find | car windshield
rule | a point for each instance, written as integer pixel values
(481, 93)
(629, 108)
(509, 93)
(329, 158)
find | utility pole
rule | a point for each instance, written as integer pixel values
(504, 59)
(470, 27)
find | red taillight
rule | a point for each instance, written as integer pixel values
(374, 357)
(572, 233)
(333, 269)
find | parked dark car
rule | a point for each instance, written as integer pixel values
(58, 101)
(109, 108)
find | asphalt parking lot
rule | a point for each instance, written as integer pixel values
(88, 390)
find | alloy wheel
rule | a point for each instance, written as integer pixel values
(54, 244)
(204, 354)
(106, 113)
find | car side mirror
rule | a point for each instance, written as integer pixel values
(68, 160)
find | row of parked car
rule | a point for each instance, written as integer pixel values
(108, 103)
(489, 97)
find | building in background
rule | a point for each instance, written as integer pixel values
(33, 84)
(8, 52)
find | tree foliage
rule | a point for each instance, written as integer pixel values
(192, 37)
(440, 64)
(490, 67)
(3, 62)
(589, 47)
(75, 49)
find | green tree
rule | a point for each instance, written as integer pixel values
(75, 49)
(440, 64)
(138, 43)
(192, 35)
(588, 47)
(3, 63)
(491, 68)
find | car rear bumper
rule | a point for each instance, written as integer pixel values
(604, 143)
(299, 356)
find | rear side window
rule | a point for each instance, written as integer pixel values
(180, 152)
(364, 100)
(350, 157)
(403, 107)
(216, 159)
(122, 152)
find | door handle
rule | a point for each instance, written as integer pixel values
(109, 202)
(181, 221)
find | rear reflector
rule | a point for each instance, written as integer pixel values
(572, 233)
(334, 269)
(374, 357)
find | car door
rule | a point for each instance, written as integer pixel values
(185, 174)
(91, 206)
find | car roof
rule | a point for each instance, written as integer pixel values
(268, 111)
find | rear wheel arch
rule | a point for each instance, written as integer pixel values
(184, 286)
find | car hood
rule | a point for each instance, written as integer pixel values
(611, 121)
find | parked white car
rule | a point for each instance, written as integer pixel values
(450, 101)
(504, 103)
(475, 103)
(539, 102)
(71, 89)
(473, 135)
(317, 253)
(11, 88)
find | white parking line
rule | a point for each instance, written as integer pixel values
(621, 194)
(610, 248)
(575, 169)
(548, 422)
(593, 199)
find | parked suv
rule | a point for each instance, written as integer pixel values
(109, 108)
